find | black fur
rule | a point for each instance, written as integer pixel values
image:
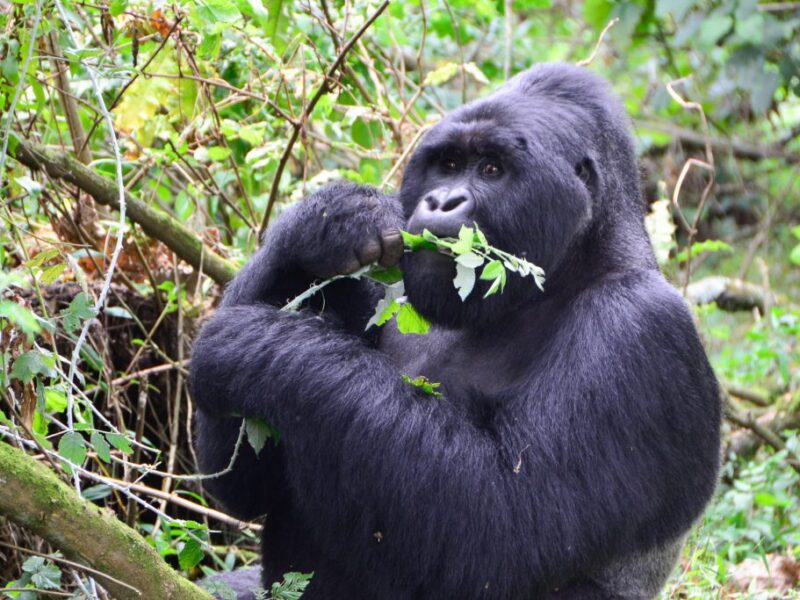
(579, 427)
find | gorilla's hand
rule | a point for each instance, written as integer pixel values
(340, 229)
(335, 231)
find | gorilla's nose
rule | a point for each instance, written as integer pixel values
(443, 212)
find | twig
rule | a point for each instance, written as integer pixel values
(181, 240)
(149, 371)
(508, 38)
(101, 298)
(69, 563)
(136, 75)
(587, 61)
(178, 500)
(298, 124)
(708, 164)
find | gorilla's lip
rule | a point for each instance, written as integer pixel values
(431, 261)
(442, 230)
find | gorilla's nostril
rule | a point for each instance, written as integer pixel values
(431, 202)
(452, 203)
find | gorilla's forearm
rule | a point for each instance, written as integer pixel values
(420, 485)
(357, 224)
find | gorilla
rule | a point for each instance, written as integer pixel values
(576, 439)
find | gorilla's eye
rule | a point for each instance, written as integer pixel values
(491, 169)
(448, 163)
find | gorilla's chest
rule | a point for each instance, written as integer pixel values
(464, 366)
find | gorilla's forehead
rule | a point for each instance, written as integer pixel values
(482, 135)
(509, 123)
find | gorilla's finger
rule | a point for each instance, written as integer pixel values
(392, 244)
(369, 252)
(350, 266)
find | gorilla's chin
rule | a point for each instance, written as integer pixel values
(428, 278)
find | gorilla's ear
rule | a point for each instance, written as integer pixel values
(585, 171)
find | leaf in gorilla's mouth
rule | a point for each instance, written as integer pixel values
(470, 251)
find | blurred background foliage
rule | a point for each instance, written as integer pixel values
(227, 111)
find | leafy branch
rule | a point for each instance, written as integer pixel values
(470, 251)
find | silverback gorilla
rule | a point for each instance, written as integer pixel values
(577, 437)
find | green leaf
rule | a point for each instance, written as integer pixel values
(464, 279)
(441, 74)
(410, 321)
(387, 275)
(116, 7)
(41, 258)
(253, 134)
(44, 575)
(72, 447)
(20, 316)
(190, 555)
(120, 442)
(50, 274)
(274, 22)
(493, 270)
(219, 588)
(47, 578)
(794, 255)
(704, 246)
(80, 309)
(101, 446)
(218, 11)
(424, 384)
(258, 431)
(55, 400)
(470, 259)
(31, 363)
(218, 153)
(416, 242)
(464, 243)
(767, 499)
(362, 134)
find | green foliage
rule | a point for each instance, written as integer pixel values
(258, 431)
(38, 573)
(759, 512)
(291, 588)
(423, 383)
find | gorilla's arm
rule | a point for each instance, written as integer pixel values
(608, 448)
(337, 229)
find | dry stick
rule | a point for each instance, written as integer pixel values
(68, 102)
(740, 148)
(178, 500)
(298, 124)
(508, 22)
(747, 421)
(405, 154)
(181, 240)
(587, 61)
(708, 165)
(149, 371)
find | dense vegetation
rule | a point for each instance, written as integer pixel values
(215, 115)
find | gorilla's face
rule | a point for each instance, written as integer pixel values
(502, 165)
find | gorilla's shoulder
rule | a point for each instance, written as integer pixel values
(630, 299)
